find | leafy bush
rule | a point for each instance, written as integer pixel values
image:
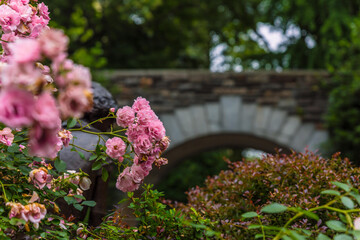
(293, 180)
(155, 221)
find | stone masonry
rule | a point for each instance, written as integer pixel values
(286, 108)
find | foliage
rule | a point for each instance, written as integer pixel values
(155, 221)
(341, 227)
(295, 180)
(192, 171)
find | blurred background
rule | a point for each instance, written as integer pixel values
(224, 35)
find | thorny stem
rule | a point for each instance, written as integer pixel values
(86, 150)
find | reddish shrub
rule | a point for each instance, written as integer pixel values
(294, 180)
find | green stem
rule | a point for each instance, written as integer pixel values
(3, 189)
(262, 228)
(86, 150)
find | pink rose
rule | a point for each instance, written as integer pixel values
(78, 76)
(164, 143)
(155, 129)
(115, 148)
(24, 10)
(9, 18)
(125, 116)
(44, 142)
(24, 75)
(53, 42)
(25, 50)
(65, 136)
(145, 116)
(34, 212)
(357, 223)
(140, 103)
(16, 107)
(138, 173)
(6, 137)
(16, 209)
(125, 181)
(45, 111)
(40, 177)
(142, 144)
(43, 11)
(75, 101)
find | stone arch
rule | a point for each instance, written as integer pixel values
(232, 122)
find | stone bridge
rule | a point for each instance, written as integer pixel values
(202, 110)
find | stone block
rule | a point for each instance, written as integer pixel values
(173, 130)
(213, 116)
(185, 120)
(319, 137)
(230, 107)
(302, 136)
(277, 120)
(199, 119)
(262, 119)
(247, 117)
(288, 130)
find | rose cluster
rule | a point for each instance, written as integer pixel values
(146, 133)
(33, 212)
(37, 96)
(19, 19)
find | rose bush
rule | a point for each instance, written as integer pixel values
(39, 89)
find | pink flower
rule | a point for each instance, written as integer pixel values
(164, 143)
(125, 181)
(78, 76)
(53, 42)
(75, 101)
(115, 148)
(40, 177)
(44, 142)
(9, 18)
(16, 107)
(36, 25)
(21, 147)
(23, 75)
(25, 50)
(112, 110)
(357, 223)
(155, 129)
(142, 144)
(43, 11)
(65, 136)
(24, 10)
(125, 116)
(45, 111)
(138, 173)
(6, 137)
(16, 209)
(145, 116)
(140, 104)
(34, 212)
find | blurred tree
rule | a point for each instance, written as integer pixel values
(181, 34)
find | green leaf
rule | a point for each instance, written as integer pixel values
(78, 207)
(249, 215)
(96, 166)
(343, 237)
(13, 148)
(60, 165)
(296, 235)
(70, 200)
(343, 186)
(71, 122)
(81, 154)
(356, 196)
(331, 192)
(104, 174)
(322, 237)
(89, 203)
(286, 238)
(336, 225)
(258, 236)
(254, 226)
(310, 215)
(15, 221)
(92, 157)
(347, 202)
(274, 208)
